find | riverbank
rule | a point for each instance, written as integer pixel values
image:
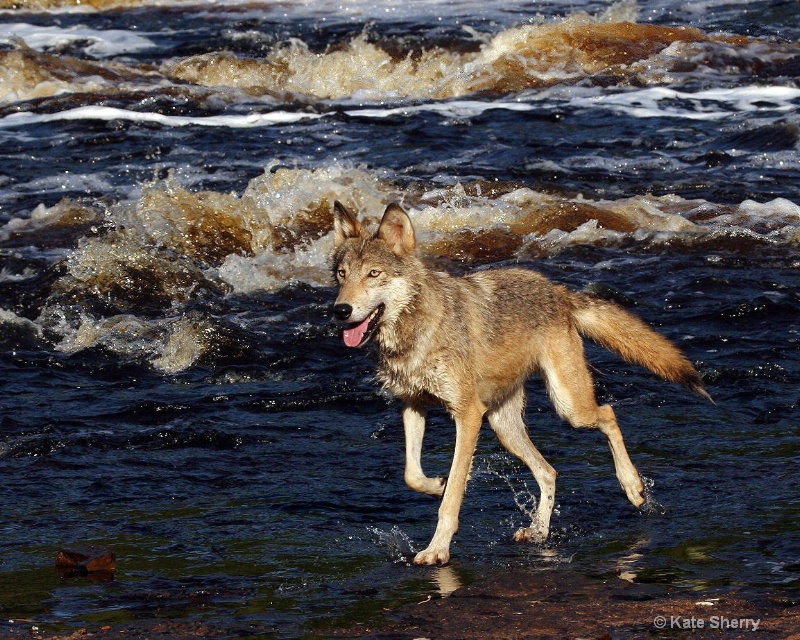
(558, 604)
(521, 604)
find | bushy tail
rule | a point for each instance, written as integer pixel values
(616, 329)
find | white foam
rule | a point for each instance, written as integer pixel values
(269, 271)
(171, 345)
(359, 10)
(654, 102)
(9, 317)
(102, 44)
(780, 208)
(711, 104)
(455, 109)
(183, 347)
(10, 276)
(27, 118)
(450, 109)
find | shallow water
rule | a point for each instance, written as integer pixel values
(172, 388)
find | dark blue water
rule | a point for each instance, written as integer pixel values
(172, 388)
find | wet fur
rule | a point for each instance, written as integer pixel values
(469, 344)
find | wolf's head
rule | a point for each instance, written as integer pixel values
(375, 273)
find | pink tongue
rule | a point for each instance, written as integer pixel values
(353, 337)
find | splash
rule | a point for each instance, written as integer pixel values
(651, 506)
(396, 543)
(524, 497)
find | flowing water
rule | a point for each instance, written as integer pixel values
(171, 387)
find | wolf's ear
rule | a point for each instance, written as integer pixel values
(345, 224)
(397, 231)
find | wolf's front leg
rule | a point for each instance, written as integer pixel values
(414, 425)
(468, 424)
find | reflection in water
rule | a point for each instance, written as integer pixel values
(626, 566)
(446, 580)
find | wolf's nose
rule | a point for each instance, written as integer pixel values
(342, 311)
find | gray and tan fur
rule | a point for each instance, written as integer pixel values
(469, 344)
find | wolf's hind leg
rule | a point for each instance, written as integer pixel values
(571, 389)
(506, 421)
(414, 425)
(628, 476)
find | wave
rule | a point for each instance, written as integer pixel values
(283, 219)
(608, 49)
(27, 74)
(84, 5)
(128, 274)
(572, 50)
(657, 102)
(132, 277)
(94, 42)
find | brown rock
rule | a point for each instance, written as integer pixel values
(82, 560)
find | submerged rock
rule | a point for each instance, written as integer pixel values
(82, 560)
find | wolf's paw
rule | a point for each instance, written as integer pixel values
(435, 487)
(636, 493)
(530, 534)
(423, 484)
(432, 556)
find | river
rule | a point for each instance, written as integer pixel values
(171, 387)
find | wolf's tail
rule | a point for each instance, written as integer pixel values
(616, 329)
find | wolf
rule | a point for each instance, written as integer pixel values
(469, 344)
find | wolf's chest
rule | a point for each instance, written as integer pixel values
(410, 379)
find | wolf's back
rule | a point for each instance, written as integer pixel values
(616, 329)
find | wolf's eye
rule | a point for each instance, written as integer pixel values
(374, 273)
(340, 273)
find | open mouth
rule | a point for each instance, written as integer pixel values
(357, 335)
